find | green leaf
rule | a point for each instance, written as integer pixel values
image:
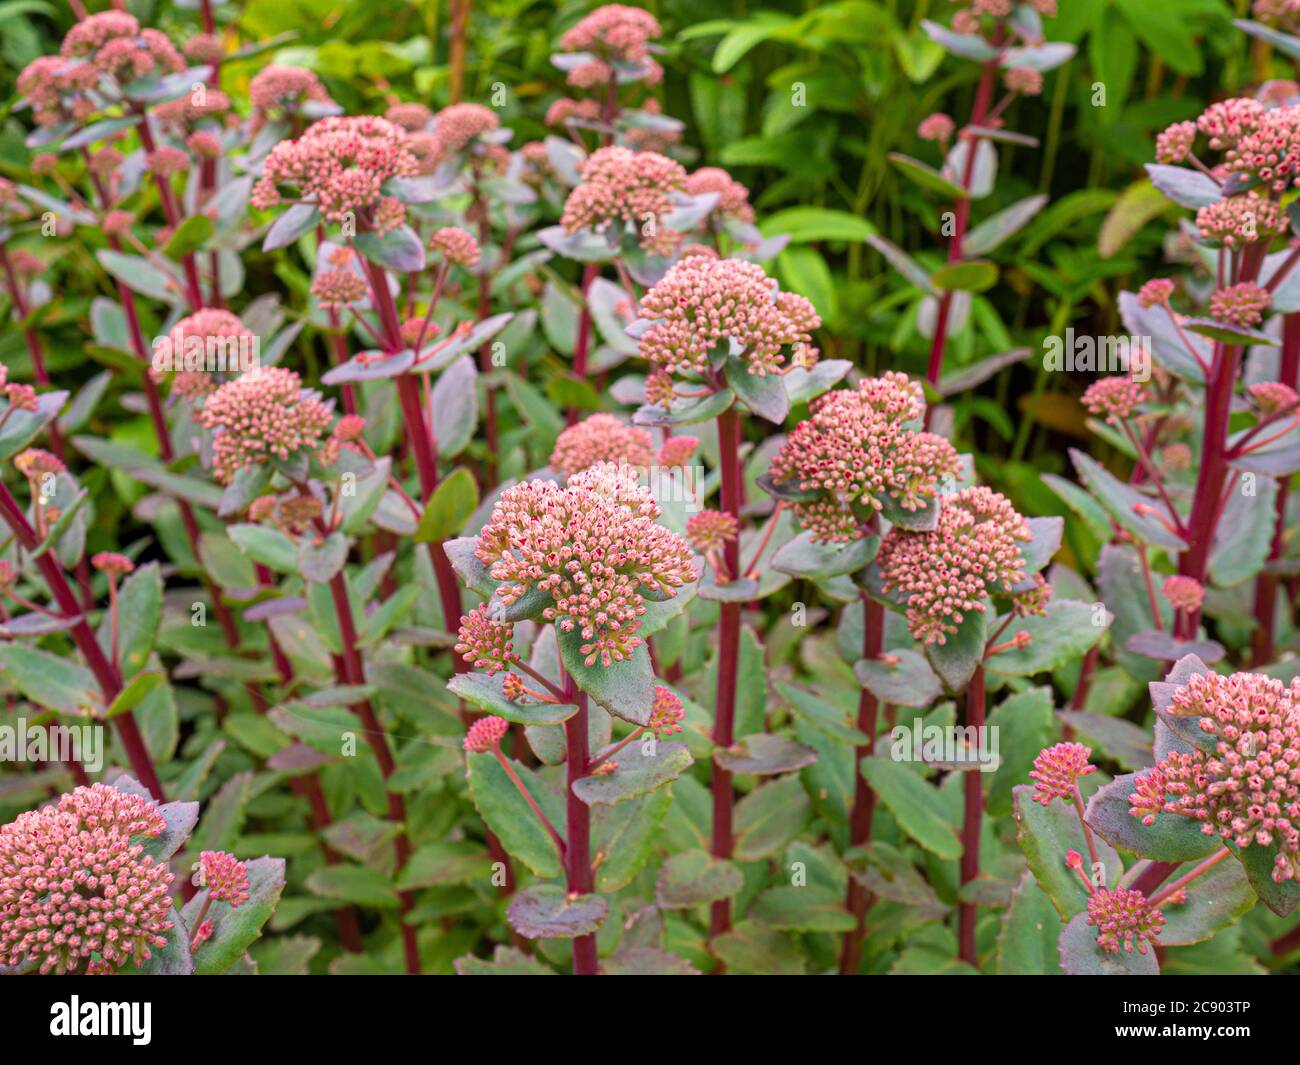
(1118, 499)
(802, 909)
(822, 715)
(1066, 632)
(268, 546)
(509, 816)
(1215, 901)
(1025, 723)
(449, 508)
(236, 929)
(685, 411)
(141, 275)
(626, 689)
(139, 611)
(188, 237)
(639, 772)
(135, 691)
(916, 806)
(488, 693)
(754, 948)
(1171, 838)
(53, 681)
(806, 224)
(738, 41)
(399, 249)
(695, 877)
(626, 835)
(172, 960)
(957, 658)
(927, 177)
(765, 755)
(320, 563)
(764, 395)
(908, 682)
(769, 817)
(1031, 929)
(441, 864)
(803, 557)
(997, 228)
(1045, 834)
(547, 911)
(388, 614)
(975, 275)
(355, 884)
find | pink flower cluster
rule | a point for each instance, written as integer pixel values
(1124, 918)
(936, 127)
(484, 643)
(190, 340)
(667, 714)
(73, 884)
(1058, 770)
(412, 117)
(285, 88)
(1240, 220)
(565, 108)
(620, 185)
(949, 572)
(1184, 593)
(339, 286)
(341, 163)
(1155, 292)
(701, 305)
(225, 877)
(709, 530)
(1282, 13)
(1115, 397)
(733, 197)
(456, 126)
(455, 245)
(485, 734)
(859, 447)
(594, 547)
(1175, 143)
(1270, 151)
(601, 438)
(262, 415)
(1242, 304)
(113, 43)
(614, 33)
(1248, 790)
(1272, 397)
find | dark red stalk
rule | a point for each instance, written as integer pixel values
(106, 674)
(724, 721)
(583, 340)
(485, 351)
(1263, 649)
(864, 797)
(979, 109)
(353, 670)
(973, 815)
(172, 212)
(577, 851)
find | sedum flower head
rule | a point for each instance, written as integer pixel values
(484, 643)
(565, 108)
(620, 185)
(1123, 918)
(485, 734)
(340, 164)
(667, 714)
(339, 286)
(456, 126)
(1057, 771)
(277, 87)
(225, 876)
(677, 450)
(113, 43)
(702, 306)
(1156, 291)
(945, 574)
(1273, 397)
(1258, 142)
(1248, 790)
(1116, 397)
(709, 530)
(455, 245)
(859, 447)
(1175, 143)
(73, 884)
(594, 547)
(936, 127)
(601, 438)
(1242, 304)
(191, 340)
(1238, 220)
(617, 30)
(262, 415)
(112, 563)
(733, 197)
(412, 117)
(1184, 593)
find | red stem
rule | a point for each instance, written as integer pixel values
(171, 211)
(970, 830)
(724, 721)
(583, 340)
(577, 851)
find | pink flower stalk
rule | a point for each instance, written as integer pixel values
(412, 117)
(701, 305)
(484, 643)
(709, 530)
(1115, 397)
(1184, 593)
(1124, 918)
(677, 450)
(202, 934)
(1248, 790)
(620, 185)
(277, 88)
(456, 246)
(1240, 220)
(601, 438)
(112, 563)
(225, 877)
(1032, 602)
(458, 125)
(949, 572)
(1175, 143)
(936, 127)
(733, 197)
(340, 164)
(1155, 292)
(858, 448)
(262, 415)
(74, 885)
(1058, 770)
(485, 734)
(1242, 304)
(594, 547)
(667, 714)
